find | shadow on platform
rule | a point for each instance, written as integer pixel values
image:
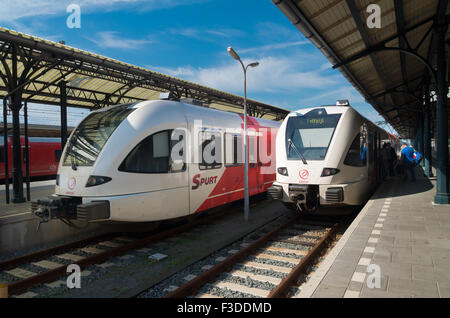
(402, 186)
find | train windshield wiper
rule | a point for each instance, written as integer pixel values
(291, 144)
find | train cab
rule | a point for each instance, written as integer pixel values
(326, 156)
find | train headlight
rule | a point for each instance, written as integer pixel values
(96, 180)
(283, 171)
(326, 172)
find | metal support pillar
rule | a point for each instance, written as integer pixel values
(426, 130)
(442, 180)
(26, 154)
(17, 150)
(6, 149)
(17, 153)
(420, 141)
(63, 100)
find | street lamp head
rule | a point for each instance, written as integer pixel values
(233, 53)
(254, 64)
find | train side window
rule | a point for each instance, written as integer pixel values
(151, 155)
(2, 154)
(233, 149)
(177, 151)
(58, 153)
(356, 155)
(210, 150)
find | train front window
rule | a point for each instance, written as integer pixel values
(92, 134)
(310, 135)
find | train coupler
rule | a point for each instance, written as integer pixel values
(54, 207)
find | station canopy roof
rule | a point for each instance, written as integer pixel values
(94, 81)
(383, 64)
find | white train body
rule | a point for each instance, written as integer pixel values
(339, 148)
(118, 165)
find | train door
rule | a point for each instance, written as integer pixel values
(252, 162)
(264, 158)
(2, 157)
(38, 156)
(372, 172)
(206, 168)
(259, 174)
(3, 148)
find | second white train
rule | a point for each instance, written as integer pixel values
(327, 156)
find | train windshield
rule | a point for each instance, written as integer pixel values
(309, 135)
(92, 134)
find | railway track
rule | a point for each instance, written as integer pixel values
(25, 272)
(268, 267)
(49, 265)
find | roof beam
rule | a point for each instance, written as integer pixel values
(362, 31)
(382, 44)
(398, 5)
(109, 70)
(394, 88)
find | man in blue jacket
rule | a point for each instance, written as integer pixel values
(408, 161)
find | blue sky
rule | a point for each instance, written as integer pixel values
(188, 39)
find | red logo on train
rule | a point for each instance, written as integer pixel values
(202, 181)
(72, 183)
(304, 174)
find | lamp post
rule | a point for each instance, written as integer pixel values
(244, 68)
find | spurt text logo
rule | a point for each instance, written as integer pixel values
(203, 181)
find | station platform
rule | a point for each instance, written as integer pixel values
(18, 227)
(38, 189)
(400, 237)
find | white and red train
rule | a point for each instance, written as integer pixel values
(158, 160)
(44, 154)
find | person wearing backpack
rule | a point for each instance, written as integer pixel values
(408, 161)
(417, 157)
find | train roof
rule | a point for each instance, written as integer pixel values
(190, 107)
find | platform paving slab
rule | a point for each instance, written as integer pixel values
(403, 234)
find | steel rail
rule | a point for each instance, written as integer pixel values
(190, 287)
(291, 279)
(17, 261)
(23, 285)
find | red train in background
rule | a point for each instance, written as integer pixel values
(44, 154)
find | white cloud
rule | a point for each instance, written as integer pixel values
(210, 34)
(111, 39)
(356, 100)
(331, 96)
(274, 74)
(278, 32)
(10, 11)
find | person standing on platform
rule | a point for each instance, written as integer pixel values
(392, 159)
(385, 159)
(408, 161)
